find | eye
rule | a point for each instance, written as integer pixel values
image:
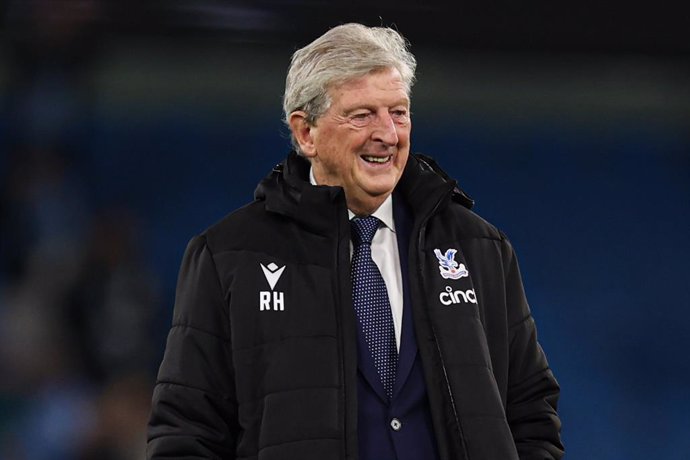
(400, 115)
(360, 118)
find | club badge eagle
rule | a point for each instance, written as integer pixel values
(448, 266)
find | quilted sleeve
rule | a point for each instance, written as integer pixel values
(194, 412)
(532, 388)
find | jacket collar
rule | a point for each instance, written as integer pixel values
(424, 184)
(287, 191)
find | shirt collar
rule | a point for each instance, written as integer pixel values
(384, 213)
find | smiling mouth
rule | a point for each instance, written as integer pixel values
(376, 160)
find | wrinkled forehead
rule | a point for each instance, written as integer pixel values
(380, 82)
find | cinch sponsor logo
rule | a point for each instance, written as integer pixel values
(272, 300)
(451, 297)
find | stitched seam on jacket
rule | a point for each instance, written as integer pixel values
(297, 441)
(529, 377)
(471, 238)
(484, 416)
(520, 323)
(189, 326)
(259, 398)
(220, 284)
(298, 262)
(192, 387)
(283, 339)
(470, 365)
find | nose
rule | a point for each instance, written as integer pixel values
(385, 130)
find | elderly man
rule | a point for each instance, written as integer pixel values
(357, 308)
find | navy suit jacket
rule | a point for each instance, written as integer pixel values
(414, 437)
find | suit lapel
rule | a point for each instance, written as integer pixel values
(367, 367)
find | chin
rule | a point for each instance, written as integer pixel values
(379, 190)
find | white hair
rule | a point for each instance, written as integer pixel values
(345, 52)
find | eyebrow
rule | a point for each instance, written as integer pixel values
(373, 108)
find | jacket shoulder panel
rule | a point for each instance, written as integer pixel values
(469, 224)
(229, 230)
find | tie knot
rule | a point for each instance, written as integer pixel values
(363, 229)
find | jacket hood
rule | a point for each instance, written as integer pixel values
(286, 190)
(423, 181)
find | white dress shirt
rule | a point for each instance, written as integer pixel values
(384, 251)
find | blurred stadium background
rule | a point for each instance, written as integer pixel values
(126, 127)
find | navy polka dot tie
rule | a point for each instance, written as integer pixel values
(371, 303)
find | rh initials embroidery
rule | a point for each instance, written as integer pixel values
(272, 300)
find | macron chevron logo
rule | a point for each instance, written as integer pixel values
(272, 300)
(272, 273)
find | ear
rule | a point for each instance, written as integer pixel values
(302, 131)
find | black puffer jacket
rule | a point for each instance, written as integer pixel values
(261, 358)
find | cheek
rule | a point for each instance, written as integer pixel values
(402, 131)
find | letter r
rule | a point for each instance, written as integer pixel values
(264, 300)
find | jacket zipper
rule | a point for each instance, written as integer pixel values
(420, 269)
(341, 339)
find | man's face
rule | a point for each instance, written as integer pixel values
(362, 142)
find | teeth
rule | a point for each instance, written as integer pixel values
(376, 159)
